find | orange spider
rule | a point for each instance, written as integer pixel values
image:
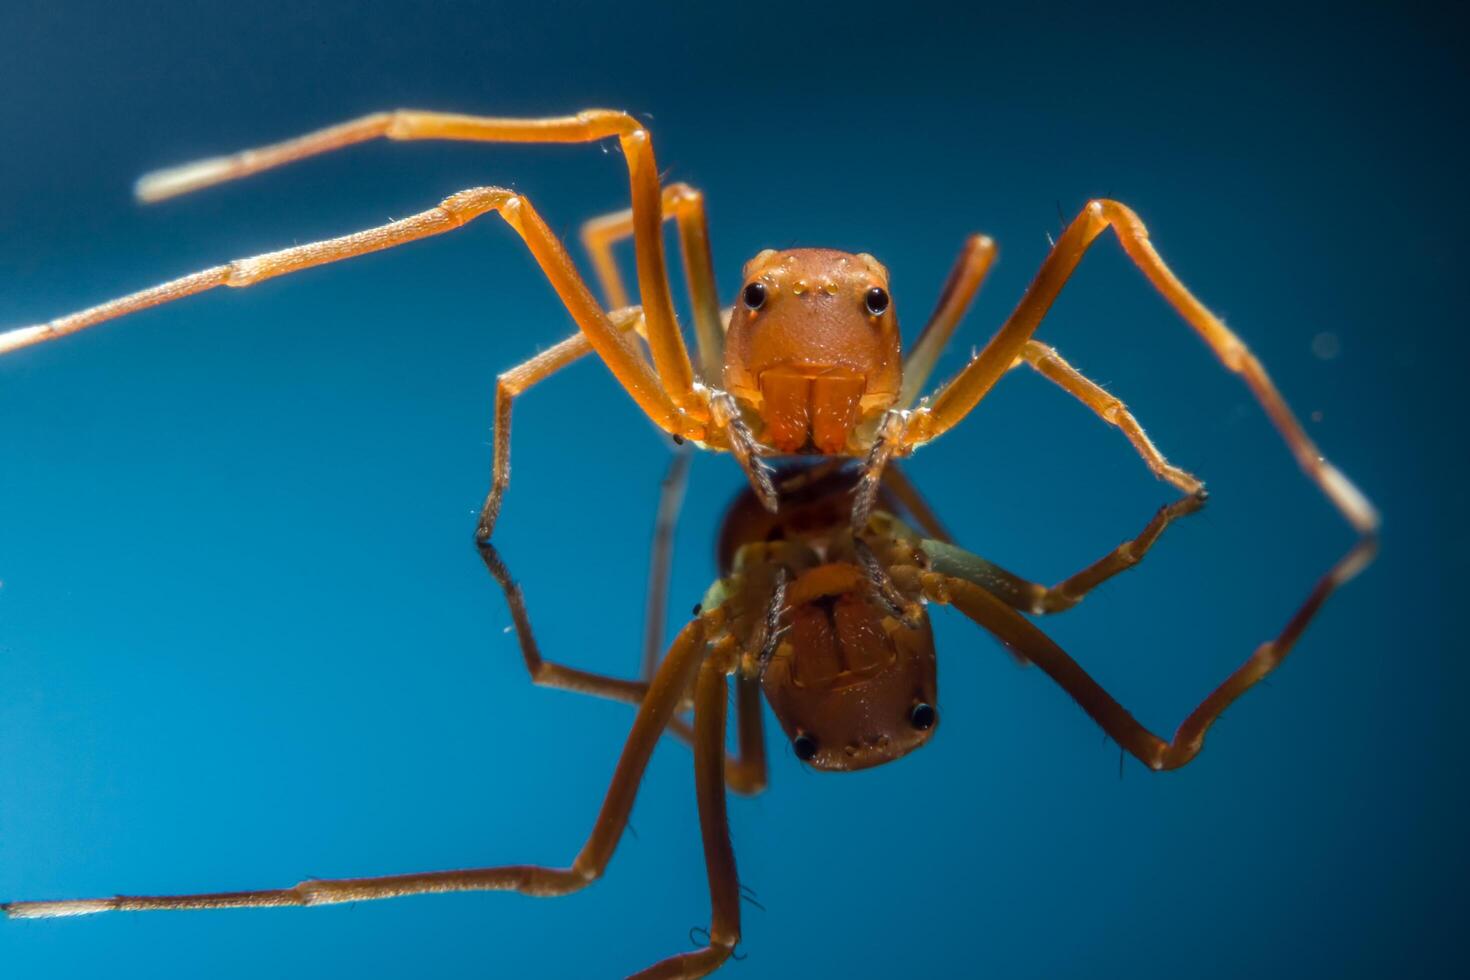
(821, 603)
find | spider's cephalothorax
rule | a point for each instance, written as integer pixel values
(813, 349)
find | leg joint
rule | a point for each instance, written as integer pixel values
(610, 122)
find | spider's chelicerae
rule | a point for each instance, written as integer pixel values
(821, 601)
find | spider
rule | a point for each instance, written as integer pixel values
(821, 604)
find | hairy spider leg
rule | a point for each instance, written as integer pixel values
(685, 205)
(956, 399)
(621, 356)
(598, 235)
(729, 425)
(513, 383)
(964, 280)
(1051, 366)
(670, 358)
(960, 287)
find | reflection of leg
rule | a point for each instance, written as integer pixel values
(904, 491)
(1029, 597)
(746, 773)
(544, 672)
(1025, 640)
(719, 858)
(664, 694)
(661, 558)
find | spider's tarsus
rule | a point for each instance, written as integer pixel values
(159, 185)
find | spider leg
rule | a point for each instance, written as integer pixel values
(669, 355)
(745, 771)
(1024, 639)
(1050, 365)
(515, 382)
(719, 857)
(545, 673)
(621, 356)
(685, 205)
(661, 558)
(959, 289)
(1030, 597)
(955, 400)
(964, 280)
(668, 688)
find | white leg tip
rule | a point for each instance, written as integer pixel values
(56, 910)
(161, 184)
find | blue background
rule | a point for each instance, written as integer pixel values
(244, 638)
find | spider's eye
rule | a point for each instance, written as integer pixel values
(923, 716)
(876, 300)
(804, 746)
(754, 296)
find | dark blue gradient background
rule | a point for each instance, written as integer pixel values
(244, 637)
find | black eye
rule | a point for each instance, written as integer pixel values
(876, 300)
(923, 716)
(754, 295)
(804, 746)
